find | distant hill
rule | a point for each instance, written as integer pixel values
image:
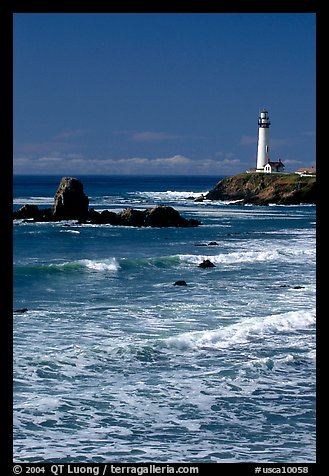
(263, 189)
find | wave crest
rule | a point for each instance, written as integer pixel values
(244, 331)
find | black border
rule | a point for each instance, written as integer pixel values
(6, 186)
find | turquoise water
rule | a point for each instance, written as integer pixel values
(112, 362)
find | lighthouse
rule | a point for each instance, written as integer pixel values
(263, 141)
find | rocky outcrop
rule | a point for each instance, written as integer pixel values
(131, 217)
(32, 212)
(163, 216)
(263, 189)
(27, 211)
(181, 282)
(160, 216)
(70, 202)
(102, 218)
(206, 263)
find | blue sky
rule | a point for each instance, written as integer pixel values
(160, 93)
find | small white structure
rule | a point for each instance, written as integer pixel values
(271, 167)
(263, 140)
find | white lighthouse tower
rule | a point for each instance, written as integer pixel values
(263, 140)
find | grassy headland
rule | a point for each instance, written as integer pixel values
(262, 189)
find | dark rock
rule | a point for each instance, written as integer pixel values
(32, 212)
(109, 218)
(206, 263)
(94, 217)
(131, 217)
(102, 218)
(45, 214)
(27, 212)
(180, 283)
(164, 216)
(211, 243)
(160, 216)
(70, 202)
(192, 222)
(291, 287)
(24, 309)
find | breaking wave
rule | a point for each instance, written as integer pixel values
(110, 264)
(114, 264)
(252, 256)
(244, 331)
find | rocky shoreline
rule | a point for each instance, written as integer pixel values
(263, 189)
(71, 203)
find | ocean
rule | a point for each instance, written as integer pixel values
(114, 363)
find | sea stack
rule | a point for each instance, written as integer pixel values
(70, 202)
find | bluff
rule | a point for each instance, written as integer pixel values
(263, 189)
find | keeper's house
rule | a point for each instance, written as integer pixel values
(271, 167)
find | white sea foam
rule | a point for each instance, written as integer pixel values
(293, 206)
(267, 254)
(105, 265)
(168, 195)
(244, 331)
(34, 201)
(110, 264)
(234, 257)
(43, 403)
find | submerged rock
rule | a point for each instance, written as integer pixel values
(206, 263)
(181, 282)
(211, 243)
